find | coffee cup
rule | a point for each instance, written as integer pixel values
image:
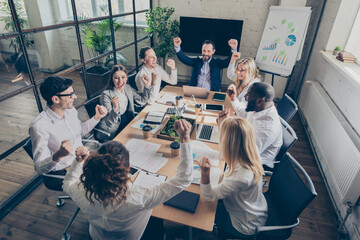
(198, 107)
(147, 131)
(175, 149)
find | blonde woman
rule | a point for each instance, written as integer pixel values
(244, 73)
(243, 206)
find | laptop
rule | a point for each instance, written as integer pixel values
(208, 133)
(196, 91)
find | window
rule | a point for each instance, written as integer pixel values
(352, 44)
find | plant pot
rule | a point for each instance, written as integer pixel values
(97, 78)
(335, 52)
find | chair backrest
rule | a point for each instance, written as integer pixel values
(289, 138)
(90, 106)
(131, 81)
(28, 148)
(287, 196)
(287, 108)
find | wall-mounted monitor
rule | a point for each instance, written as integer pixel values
(194, 31)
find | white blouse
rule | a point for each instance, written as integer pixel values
(242, 197)
(127, 220)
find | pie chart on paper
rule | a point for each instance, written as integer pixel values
(290, 40)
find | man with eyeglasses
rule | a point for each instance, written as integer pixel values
(261, 112)
(57, 131)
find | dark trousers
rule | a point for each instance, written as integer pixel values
(54, 183)
(154, 229)
(223, 222)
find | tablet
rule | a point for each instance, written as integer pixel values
(220, 97)
(214, 107)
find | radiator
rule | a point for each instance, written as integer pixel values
(336, 144)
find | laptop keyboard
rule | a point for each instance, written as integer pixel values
(206, 131)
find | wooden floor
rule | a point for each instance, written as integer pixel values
(16, 115)
(37, 217)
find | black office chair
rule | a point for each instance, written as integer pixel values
(287, 108)
(289, 138)
(131, 81)
(60, 202)
(287, 197)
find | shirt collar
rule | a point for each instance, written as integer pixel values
(52, 115)
(265, 111)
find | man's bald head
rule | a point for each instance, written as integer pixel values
(263, 90)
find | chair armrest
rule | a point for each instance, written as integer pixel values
(102, 131)
(272, 228)
(268, 173)
(53, 176)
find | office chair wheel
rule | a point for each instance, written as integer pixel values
(66, 237)
(60, 202)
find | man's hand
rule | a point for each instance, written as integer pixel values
(153, 78)
(231, 92)
(82, 153)
(171, 64)
(183, 128)
(233, 43)
(205, 166)
(65, 149)
(235, 56)
(101, 112)
(146, 80)
(177, 42)
(115, 103)
(222, 116)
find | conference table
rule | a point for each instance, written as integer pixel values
(204, 216)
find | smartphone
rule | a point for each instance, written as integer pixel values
(214, 107)
(220, 97)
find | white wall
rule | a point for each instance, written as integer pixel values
(345, 92)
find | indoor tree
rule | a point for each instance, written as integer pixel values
(163, 29)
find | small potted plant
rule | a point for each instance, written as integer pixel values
(336, 50)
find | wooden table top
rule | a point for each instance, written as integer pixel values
(204, 216)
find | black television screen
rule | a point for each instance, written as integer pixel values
(194, 31)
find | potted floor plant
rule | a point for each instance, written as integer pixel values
(163, 29)
(10, 27)
(97, 38)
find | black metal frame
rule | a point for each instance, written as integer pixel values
(17, 197)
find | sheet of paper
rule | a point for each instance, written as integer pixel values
(167, 98)
(210, 120)
(140, 123)
(201, 150)
(215, 174)
(135, 145)
(147, 160)
(147, 179)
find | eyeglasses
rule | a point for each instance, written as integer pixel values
(67, 95)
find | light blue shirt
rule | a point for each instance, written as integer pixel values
(204, 76)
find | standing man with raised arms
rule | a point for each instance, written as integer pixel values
(206, 71)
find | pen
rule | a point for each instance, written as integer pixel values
(182, 108)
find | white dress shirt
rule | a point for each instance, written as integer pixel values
(242, 197)
(161, 75)
(47, 132)
(204, 76)
(268, 130)
(128, 220)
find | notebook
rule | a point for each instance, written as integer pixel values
(208, 133)
(185, 200)
(154, 117)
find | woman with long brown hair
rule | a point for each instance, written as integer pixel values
(243, 206)
(100, 185)
(244, 73)
(119, 99)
